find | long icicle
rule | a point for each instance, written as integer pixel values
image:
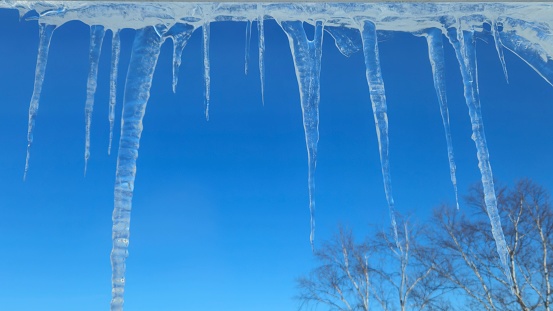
(436, 56)
(307, 56)
(499, 48)
(261, 43)
(247, 47)
(379, 106)
(96, 38)
(465, 49)
(145, 52)
(205, 31)
(115, 52)
(180, 33)
(45, 34)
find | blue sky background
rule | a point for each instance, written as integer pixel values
(220, 215)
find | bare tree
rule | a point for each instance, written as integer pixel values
(405, 282)
(463, 250)
(379, 274)
(342, 281)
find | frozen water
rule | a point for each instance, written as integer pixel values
(307, 56)
(523, 28)
(436, 56)
(97, 34)
(115, 52)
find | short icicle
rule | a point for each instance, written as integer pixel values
(465, 49)
(45, 34)
(307, 55)
(207, 78)
(96, 38)
(436, 56)
(499, 48)
(115, 52)
(247, 47)
(261, 43)
(538, 54)
(179, 33)
(379, 106)
(145, 52)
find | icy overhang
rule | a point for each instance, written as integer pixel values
(407, 16)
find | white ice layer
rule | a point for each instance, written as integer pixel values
(523, 28)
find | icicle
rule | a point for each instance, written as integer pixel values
(465, 50)
(45, 34)
(307, 56)
(206, 68)
(146, 48)
(347, 40)
(247, 48)
(499, 48)
(261, 34)
(115, 51)
(536, 52)
(378, 99)
(179, 33)
(436, 55)
(96, 38)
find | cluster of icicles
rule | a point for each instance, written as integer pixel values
(307, 61)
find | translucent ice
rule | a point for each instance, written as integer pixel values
(307, 56)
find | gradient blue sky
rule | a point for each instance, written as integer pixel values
(220, 215)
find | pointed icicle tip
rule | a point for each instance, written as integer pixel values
(307, 56)
(261, 44)
(499, 47)
(207, 78)
(247, 47)
(179, 33)
(97, 34)
(379, 106)
(436, 56)
(145, 52)
(45, 36)
(465, 51)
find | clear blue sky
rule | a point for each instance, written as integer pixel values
(220, 215)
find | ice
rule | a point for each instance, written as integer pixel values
(261, 34)
(247, 48)
(97, 34)
(115, 51)
(45, 35)
(521, 27)
(464, 44)
(347, 40)
(499, 48)
(532, 43)
(180, 33)
(379, 106)
(307, 56)
(436, 56)
(205, 32)
(145, 52)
